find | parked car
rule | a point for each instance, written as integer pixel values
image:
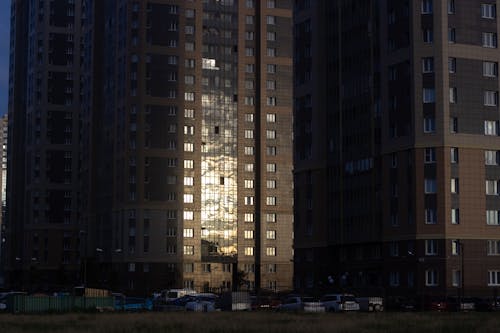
(464, 304)
(123, 303)
(371, 303)
(437, 304)
(297, 303)
(204, 302)
(264, 302)
(340, 302)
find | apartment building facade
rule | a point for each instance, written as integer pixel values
(193, 164)
(411, 150)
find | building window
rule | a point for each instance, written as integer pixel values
(429, 185)
(492, 217)
(271, 101)
(271, 167)
(248, 217)
(491, 157)
(188, 198)
(452, 65)
(248, 134)
(249, 150)
(189, 13)
(248, 183)
(493, 247)
(428, 36)
(188, 250)
(271, 234)
(451, 6)
(271, 117)
(248, 167)
(491, 187)
(249, 251)
(451, 35)
(490, 69)
(271, 201)
(431, 277)
(453, 95)
(493, 278)
(249, 117)
(271, 251)
(271, 68)
(189, 268)
(430, 155)
(429, 95)
(490, 98)
(188, 146)
(271, 217)
(189, 96)
(271, 151)
(490, 127)
(489, 39)
(249, 68)
(248, 234)
(394, 279)
(455, 247)
(426, 6)
(456, 278)
(454, 185)
(455, 216)
(394, 249)
(454, 155)
(428, 65)
(188, 215)
(249, 19)
(249, 201)
(430, 216)
(488, 11)
(271, 183)
(188, 233)
(270, 134)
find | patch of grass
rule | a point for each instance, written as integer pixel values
(251, 322)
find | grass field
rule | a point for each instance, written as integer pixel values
(258, 322)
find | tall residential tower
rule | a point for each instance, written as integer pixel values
(397, 128)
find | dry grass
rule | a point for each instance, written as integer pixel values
(253, 322)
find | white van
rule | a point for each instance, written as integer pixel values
(171, 294)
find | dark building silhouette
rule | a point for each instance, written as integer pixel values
(152, 143)
(396, 147)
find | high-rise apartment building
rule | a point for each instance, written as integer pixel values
(396, 146)
(194, 161)
(150, 145)
(42, 222)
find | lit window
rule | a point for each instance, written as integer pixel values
(248, 234)
(248, 217)
(188, 250)
(188, 233)
(271, 117)
(188, 198)
(248, 183)
(249, 251)
(271, 167)
(455, 216)
(248, 134)
(454, 155)
(249, 150)
(188, 215)
(188, 164)
(271, 251)
(188, 146)
(271, 201)
(454, 185)
(271, 217)
(271, 234)
(271, 183)
(188, 181)
(249, 201)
